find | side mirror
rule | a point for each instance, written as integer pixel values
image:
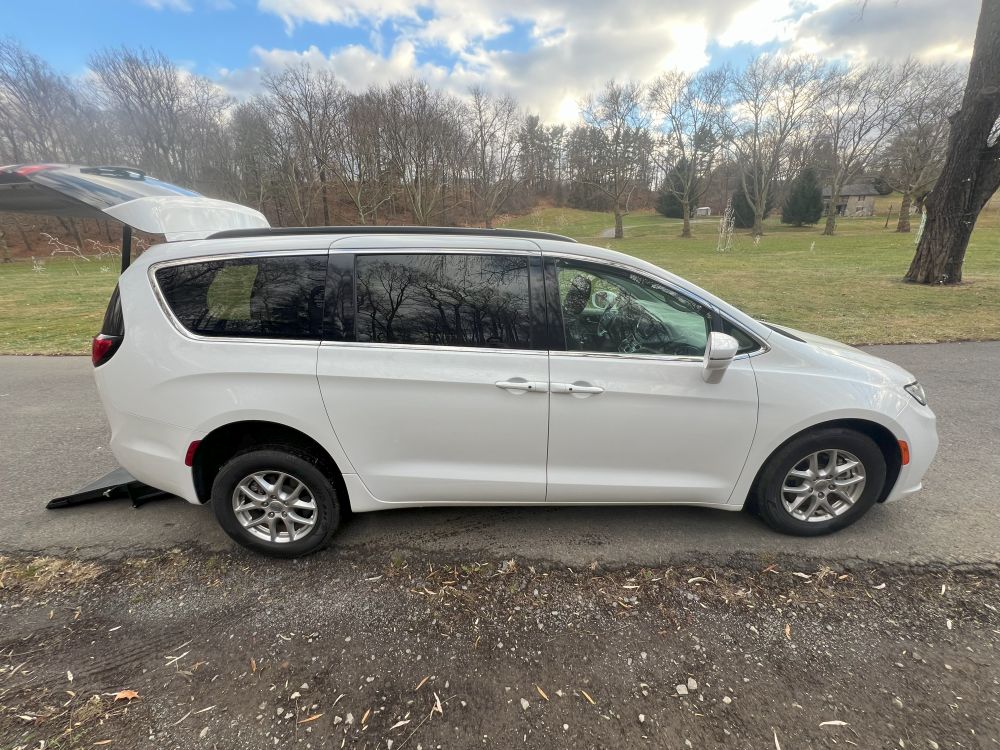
(718, 354)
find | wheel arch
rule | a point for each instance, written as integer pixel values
(222, 443)
(883, 437)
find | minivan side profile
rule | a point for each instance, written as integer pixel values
(287, 376)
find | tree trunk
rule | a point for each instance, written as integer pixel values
(971, 172)
(941, 251)
(619, 226)
(831, 216)
(903, 225)
(326, 200)
(758, 225)
(686, 213)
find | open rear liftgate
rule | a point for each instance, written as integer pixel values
(139, 202)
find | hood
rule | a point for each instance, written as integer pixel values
(875, 368)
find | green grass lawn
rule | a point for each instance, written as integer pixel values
(847, 287)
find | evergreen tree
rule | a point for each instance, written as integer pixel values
(668, 205)
(804, 204)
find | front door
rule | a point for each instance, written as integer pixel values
(631, 418)
(437, 391)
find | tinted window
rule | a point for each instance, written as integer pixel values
(444, 300)
(747, 343)
(114, 323)
(606, 309)
(273, 297)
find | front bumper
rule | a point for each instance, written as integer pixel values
(919, 427)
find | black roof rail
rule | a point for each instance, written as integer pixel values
(368, 229)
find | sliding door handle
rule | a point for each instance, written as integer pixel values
(519, 385)
(576, 388)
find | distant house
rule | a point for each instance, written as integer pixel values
(856, 199)
(703, 211)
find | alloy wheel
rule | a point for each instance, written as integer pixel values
(275, 506)
(823, 485)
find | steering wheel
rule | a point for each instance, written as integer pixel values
(610, 314)
(603, 299)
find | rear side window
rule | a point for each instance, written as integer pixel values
(114, 322)
(272, 297)
(473, 300)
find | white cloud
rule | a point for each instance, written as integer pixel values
(180, 5)
(563, 49)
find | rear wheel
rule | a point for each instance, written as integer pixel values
(276, 500)
(820, 482)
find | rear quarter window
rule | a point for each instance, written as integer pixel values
(268, 297)
(114, 321)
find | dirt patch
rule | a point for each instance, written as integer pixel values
(389, 650)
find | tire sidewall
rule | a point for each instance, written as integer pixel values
(769, 503)
(301, 466)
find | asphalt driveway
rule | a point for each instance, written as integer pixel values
(53, 439)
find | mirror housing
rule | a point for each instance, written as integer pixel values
(719, 354)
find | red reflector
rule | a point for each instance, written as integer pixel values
(25, 171)
(101, 349)
(904, 452)
(189, 456)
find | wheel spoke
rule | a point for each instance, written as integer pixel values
(246, 507)
(272, 528)
(296, 518)
(850, 481)
(797, 503)
(255, 522)
(290, 526)
(846, 467)
(244, 488)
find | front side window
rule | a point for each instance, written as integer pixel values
(474, 300)
(606, 309)
(270, 297)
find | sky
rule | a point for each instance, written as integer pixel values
(548, 53)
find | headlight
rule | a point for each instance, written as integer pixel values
(917, 391)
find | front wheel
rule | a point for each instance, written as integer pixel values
(277, 501)
(820, 482)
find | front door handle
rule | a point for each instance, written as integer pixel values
(576, 388)
(519, 385)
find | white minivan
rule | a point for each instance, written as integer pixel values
(290, 375)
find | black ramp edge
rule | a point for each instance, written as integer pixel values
(115, 485)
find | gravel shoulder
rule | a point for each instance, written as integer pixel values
(386, 649)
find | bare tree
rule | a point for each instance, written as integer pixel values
(616, 113)
(773, 98)
(692, 124)
(915, 154)
(423, 141)
(310, 102)
(360, 162)
(37, 107)
(861, 108)
(496, 148)
(171, 120)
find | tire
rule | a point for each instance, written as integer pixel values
(316, 501)
(772, 491)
